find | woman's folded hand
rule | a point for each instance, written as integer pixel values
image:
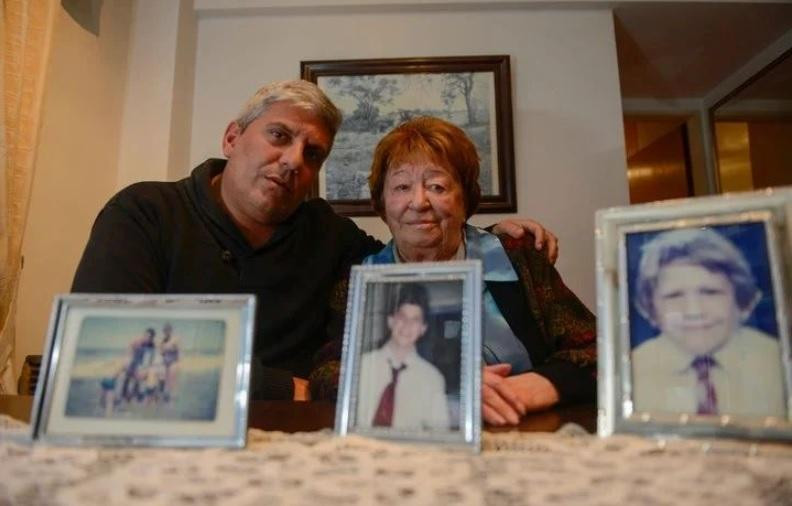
(507, 398)
(500, 404)
(534, 391)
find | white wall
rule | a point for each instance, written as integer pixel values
(76, 161)
(569, 145)
(155, 119)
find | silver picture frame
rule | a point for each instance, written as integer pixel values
(146, 370)
(446, 409)
(643, 384)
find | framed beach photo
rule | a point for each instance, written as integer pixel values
(694, 317)
(146, 370)
(376, 95)
(411, 365)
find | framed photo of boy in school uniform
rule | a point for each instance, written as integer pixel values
(146, 370)
(694, 324)
(412, 353)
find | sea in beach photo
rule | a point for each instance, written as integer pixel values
(107, 382)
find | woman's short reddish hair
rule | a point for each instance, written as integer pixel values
(427, 139)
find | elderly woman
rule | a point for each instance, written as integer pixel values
(539, 339)
(697, 288)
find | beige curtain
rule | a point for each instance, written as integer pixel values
(25, 34)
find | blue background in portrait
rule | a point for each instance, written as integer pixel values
(750, 239)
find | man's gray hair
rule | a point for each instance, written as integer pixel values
(303, 94)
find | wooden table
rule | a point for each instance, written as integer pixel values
(292, 416)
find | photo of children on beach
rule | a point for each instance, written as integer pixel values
(147, 368)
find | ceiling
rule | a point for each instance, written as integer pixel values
(776, 83)
(684, 49)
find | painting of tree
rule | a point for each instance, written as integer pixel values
(369, 93)
(460, 84)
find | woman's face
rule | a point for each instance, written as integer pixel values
(424, 209)
(695, 307)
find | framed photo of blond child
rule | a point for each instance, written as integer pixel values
(146, 370)
(412, 353)
(696, 332)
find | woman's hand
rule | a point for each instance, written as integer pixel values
(534, 391)
(500, 404)
(504, 398)
(542, 237)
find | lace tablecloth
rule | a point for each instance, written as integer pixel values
(569, 467)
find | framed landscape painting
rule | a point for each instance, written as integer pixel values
(376, 95)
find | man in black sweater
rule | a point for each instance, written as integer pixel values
(242, 225)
